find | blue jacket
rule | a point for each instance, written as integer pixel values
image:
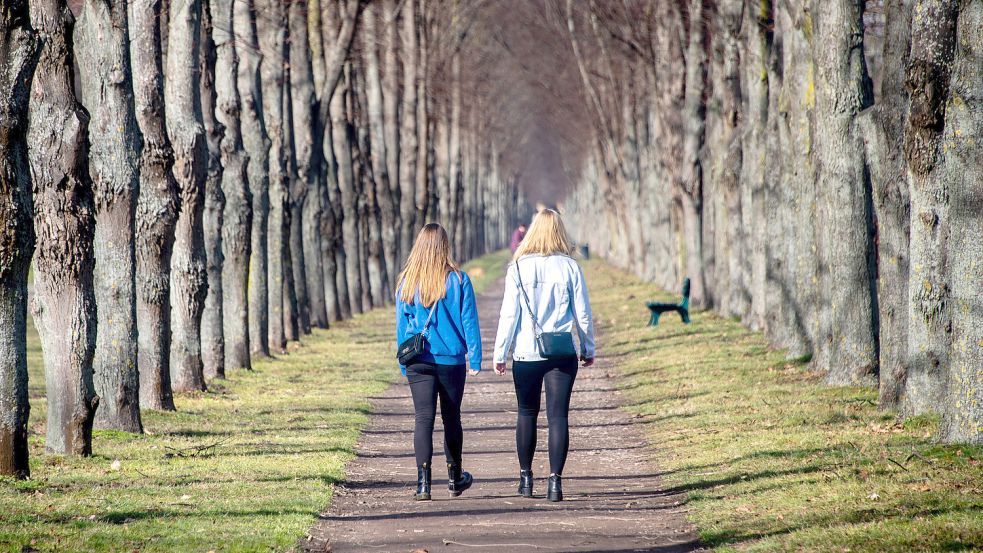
(453, 336)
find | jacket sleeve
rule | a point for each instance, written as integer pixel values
(469, 320)
(400, 324)
(508, 321)
(583, 315)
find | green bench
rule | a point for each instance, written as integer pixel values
(682, 308)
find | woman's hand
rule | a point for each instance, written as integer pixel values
(587, 361)
(473, 372)
(500, 369)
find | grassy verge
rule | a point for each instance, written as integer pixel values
(769, 457)
(243, 467)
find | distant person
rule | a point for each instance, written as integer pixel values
(517, 235)
(545, 303)
(436, 332)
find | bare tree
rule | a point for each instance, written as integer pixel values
(64, 223)
(189, 284)
(212, 320)
(271, 28)
(962, 166)
(307, 215)
(19, 47)
(237, 217)
(341, 142)
(408, 147)
(157, 209)
(257, 146)
(102, 43)
(376, 152)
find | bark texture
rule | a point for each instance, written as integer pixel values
(157, 209)
(19, 47)
(256, 144)
(101, 45)
(962, 166)
(272, 33)
(64, 224)
(189, 283)
(237, 216)
(212, 331)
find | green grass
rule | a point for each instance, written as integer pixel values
(769, 457)
(280, 436)
(484, 270)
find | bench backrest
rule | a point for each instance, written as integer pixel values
(685, 302)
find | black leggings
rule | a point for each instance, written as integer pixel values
(428, 382)
(529, 377)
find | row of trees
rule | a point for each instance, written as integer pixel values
(748, 146)
(201, 181)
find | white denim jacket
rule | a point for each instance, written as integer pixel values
(558, 294)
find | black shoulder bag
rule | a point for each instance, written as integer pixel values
(415, 345)
(551, 345)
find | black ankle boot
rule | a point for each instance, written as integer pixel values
(457, 480)
(525, 483)
(422, 482)
(555, 490)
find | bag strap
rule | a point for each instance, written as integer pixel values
(522, 289)
(426, 325)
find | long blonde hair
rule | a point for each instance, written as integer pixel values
(546, 236)
(427, 267)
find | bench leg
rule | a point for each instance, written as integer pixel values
(684, 315)
(654, 321)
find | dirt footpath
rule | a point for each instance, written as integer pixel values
(614, 499)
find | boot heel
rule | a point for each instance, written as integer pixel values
(525, 483)
(422, 483)
(555, 491)
(457, 480)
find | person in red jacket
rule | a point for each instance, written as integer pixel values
(517, 235)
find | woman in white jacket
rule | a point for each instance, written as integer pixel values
(545, 304)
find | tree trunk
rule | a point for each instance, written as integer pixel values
(272, 32)
(883, 128)
(237, 217)
(933, 36)
(189, 284)
(423, 192)
(377, 154)
(337, 29)
(101, 45)
(390, 111)
(64, 299)
(257, 147)
(212, 332)
(19, 46)
(848, 318)
(373, 246)
(296, 317)
(694, 121)
(454, 184)
(308, 214)
(408, 136)
(962, 166)
(341, 141)
(157, 210)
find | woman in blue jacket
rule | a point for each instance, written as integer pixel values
(435, 298)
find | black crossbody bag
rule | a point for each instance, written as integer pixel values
(551, 345)
(415, 345)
